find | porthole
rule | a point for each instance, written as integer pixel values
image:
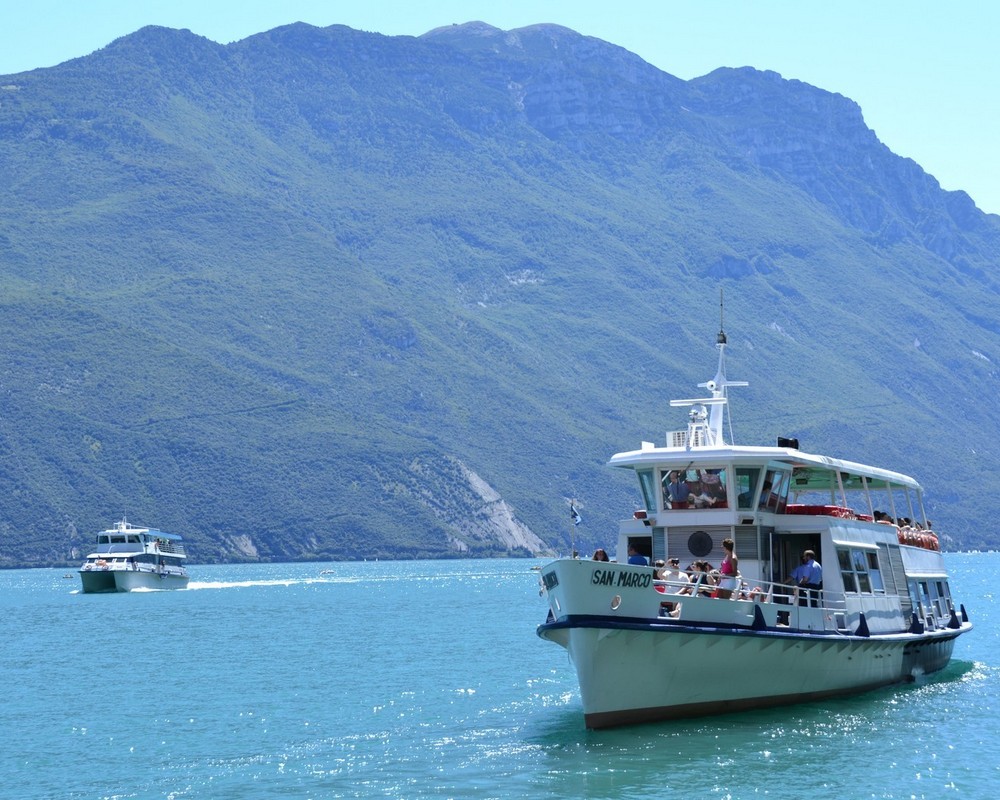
(700, 544)
(615, 602)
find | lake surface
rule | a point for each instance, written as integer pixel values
(426, 680)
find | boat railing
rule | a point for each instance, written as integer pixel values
(118, 548)
(158, 569)
(783, 605)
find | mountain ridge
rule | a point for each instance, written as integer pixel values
(329, 294)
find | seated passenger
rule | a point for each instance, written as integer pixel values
(675, 577)
(712, 488)
(703, 579)
(708, 498)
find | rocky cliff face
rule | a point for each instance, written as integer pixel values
(571, 87)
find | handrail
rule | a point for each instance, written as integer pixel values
(783, 600)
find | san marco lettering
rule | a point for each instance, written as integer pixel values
(629, 579)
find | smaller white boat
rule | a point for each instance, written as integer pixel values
(129, 557)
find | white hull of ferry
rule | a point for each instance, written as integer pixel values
(634, 675)
(96, 581)
(636, 663)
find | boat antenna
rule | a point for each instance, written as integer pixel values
(721, 338)
(721, 384)
(708, 415)
(722, 342)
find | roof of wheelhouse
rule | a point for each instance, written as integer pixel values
(705, 445)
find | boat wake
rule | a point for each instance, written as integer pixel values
(194, 585)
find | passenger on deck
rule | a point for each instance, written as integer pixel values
(673, 573)
(637, 558)
(746, 593)
(808, 576)
(728, 571)
(703, 578)
(600, 555)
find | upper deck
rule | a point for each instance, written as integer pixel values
(697, 470)
(125, 538)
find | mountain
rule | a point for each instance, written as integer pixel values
(325, 294)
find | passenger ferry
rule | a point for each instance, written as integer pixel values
(129, 557)
(650, 645)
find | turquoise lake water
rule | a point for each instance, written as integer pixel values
(426, 680)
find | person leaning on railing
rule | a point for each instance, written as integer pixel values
(808, 576)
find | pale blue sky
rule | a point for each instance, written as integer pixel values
(924, 73)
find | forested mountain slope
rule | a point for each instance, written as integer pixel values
(328, 294)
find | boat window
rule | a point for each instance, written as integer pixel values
(694, 488)
(935, 588)
(925, 596)
(665, 489)
(875, 572)
(846, 571)
(774, 492)
(709, 488)
(860, 571)
(911, 585)
(647, 486)
(861, 568)
(746, 485)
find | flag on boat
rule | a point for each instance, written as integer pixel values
(574, 514)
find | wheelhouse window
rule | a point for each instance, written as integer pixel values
(648, 487)
(695, 488)
(860, 570)
(774, 492)
(746, 486)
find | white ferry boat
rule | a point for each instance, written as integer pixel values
(646, 648)
(129, 557)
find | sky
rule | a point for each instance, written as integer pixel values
(925, 72)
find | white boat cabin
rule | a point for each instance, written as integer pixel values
(866, 525)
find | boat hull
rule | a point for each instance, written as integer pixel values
(639, 672)
(100, 581)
